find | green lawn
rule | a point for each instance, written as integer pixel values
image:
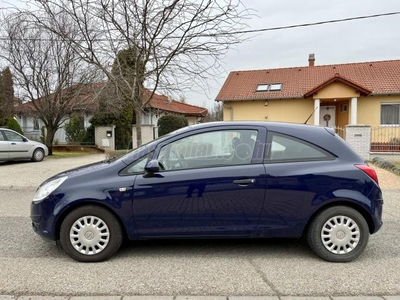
(57, 155)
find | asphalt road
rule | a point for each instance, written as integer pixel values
(28, 265)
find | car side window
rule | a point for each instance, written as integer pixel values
(215, 148)
(137, 167)
(1, 136)
(11, 136)
(287, 148)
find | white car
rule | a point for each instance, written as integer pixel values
(14, 146)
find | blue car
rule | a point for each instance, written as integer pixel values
(217, 180)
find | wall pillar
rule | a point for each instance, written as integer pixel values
(359, 138)
(147, 135)
(317, 107)
(103, 139)
(353, 111)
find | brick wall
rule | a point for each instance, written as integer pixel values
(359, 137)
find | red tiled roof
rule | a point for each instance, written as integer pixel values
(380, 77)
(163, 103)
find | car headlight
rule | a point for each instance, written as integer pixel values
(47, 188)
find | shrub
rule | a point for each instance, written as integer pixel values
(13, 124)
(169, 123)
(74, 130)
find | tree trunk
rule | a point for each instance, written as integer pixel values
(138, 115)
(50, 133)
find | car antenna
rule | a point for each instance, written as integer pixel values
(311, 115)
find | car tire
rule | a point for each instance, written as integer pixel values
(38, 155)
(338, 234)
(90, 234)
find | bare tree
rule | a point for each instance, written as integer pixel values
(176, 44)
(215, 114)
(47, 71)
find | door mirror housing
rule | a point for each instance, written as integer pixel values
(152, 166)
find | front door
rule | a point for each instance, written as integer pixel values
(327, 116)
(210, 186)
(19, 147)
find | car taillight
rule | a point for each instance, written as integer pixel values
(369, 171)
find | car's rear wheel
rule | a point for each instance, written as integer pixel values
(38, 155)
(90, 234)
(338, 234)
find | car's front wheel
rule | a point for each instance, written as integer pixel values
(90, 234)
(38, 155)
(338, 234)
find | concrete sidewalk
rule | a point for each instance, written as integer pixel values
(7, 297)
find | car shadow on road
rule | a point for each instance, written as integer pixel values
(215, 247)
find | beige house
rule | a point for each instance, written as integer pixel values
(334, 95)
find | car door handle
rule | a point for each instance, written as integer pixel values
(244, 182)
(13, 143)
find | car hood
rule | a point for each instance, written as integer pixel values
(85, 169)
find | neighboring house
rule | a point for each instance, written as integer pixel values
(335, 95)
(83, 104)
(161, 105)
(158, 106)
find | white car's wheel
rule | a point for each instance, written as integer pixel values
(38, 155)
(90, 234)
(338, 234)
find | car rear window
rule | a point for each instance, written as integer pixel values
(288, 148)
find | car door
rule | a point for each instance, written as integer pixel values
(4, 147)
(210, 186)
(296, 182)
(19, 147)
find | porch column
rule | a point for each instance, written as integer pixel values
(317, 104)
(353, 113)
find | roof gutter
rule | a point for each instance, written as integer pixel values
(269, 98)
(385, 94)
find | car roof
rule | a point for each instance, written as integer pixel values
(323, 137)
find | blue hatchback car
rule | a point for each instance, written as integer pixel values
(217, 180)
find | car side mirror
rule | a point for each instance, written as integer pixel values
(24, 139)
(152, 166)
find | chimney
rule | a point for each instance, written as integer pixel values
(311, 60)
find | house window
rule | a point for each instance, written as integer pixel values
(390, 114)
(36, 124)
(275, 87)
(269, 87)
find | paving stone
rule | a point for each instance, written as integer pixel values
(253, 298)
(43, 298)
(358, 298)
(7, 297)
(391, 297)
(96, 298)
(148, 298)
(201, 298)
(304, 298)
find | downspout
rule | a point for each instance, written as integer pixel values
(230, 108)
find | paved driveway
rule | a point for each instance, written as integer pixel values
(29, 266)
(28, 174)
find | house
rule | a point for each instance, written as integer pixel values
(333, 95)
(86, 105)
(83, 103)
